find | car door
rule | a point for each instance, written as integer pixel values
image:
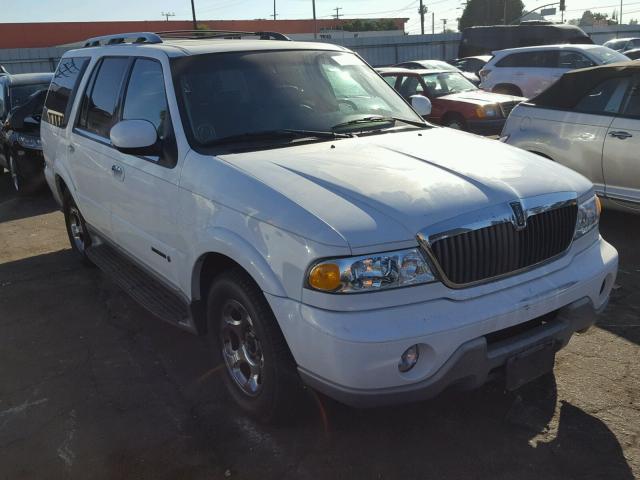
(90, 154)
(621, 160)
(144, 204)
(579, 135)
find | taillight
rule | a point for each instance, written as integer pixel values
(484, 72)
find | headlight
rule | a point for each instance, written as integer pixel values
(370, 272)
(29, 141)
(588, 216)
(488, 111)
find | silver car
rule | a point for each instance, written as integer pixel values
(588, 121)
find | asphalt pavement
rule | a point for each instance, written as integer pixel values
(92, 386)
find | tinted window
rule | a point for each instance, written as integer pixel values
(542, 59)
(98, 112)
(635, 43)
(573, 60)
(633, 104)
(20, 94)
(606, 98)
(62, 90)
(146, 98)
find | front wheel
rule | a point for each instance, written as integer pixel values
(260, 373)
(455, 122)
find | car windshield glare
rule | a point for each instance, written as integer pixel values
(223, 95)
(440, 84)
(606, 55)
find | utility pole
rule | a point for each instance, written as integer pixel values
(505, 12)
(315, 21)
(444, 25)
(337, 9)
(193, 12)
(274, 10)
(433, 23)
(620, 14)
(167, 15)
(422, 10)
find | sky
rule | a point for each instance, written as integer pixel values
(106, 10)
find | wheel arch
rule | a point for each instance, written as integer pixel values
(513, 88)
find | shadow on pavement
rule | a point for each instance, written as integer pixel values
(622, 317)
(13, 207)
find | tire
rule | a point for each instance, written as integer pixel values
(77, 231)
(20, 184)
(259, 371)
(508, 89)
(456, 122)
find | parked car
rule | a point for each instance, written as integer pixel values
(623, 44)
(588, 121)
(528, 71)
(456, 102)
(282, 199)
(471, 64)
(20, 111)
(486, 39)
(438, 65)
(633, 54)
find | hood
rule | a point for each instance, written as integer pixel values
(386, 188)
(481, 97)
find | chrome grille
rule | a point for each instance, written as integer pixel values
(501, 249)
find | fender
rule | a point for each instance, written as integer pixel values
(226, 242)
(60, 170)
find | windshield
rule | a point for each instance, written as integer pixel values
(616, 45)
(247, 93)
(438, 65)
(21, 93)
(440, 84)
(605, 55)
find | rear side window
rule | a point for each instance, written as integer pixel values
(605, 99)
(101, 97)
(573, 60)
(541, 59)
(632, 109)
(63, 89)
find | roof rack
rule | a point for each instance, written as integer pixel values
(120, 38)
(223, 34)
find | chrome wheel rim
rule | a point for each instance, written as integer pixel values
(241, 348)
(14, 173)
(76, 229)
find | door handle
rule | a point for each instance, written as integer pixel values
(621, 135)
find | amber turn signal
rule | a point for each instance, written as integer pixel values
(325, 276)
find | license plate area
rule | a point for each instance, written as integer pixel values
(529, 365)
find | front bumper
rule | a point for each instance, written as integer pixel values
(353, 356)
(486, 127)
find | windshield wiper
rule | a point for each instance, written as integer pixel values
(377, 119)
(282, 133)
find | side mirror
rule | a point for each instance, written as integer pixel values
(135, 137)
(421, 104)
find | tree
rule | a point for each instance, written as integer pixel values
(590, 19)
(490, 12)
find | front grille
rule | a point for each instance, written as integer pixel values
(507, 107)
(500, 249)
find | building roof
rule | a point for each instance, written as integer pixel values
(35, 35)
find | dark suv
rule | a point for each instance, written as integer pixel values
(21, 101)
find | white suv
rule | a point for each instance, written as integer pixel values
(282, 199)
(528, 71)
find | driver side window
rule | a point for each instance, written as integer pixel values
(409, 86)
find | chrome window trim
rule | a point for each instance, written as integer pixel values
(494, 215)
